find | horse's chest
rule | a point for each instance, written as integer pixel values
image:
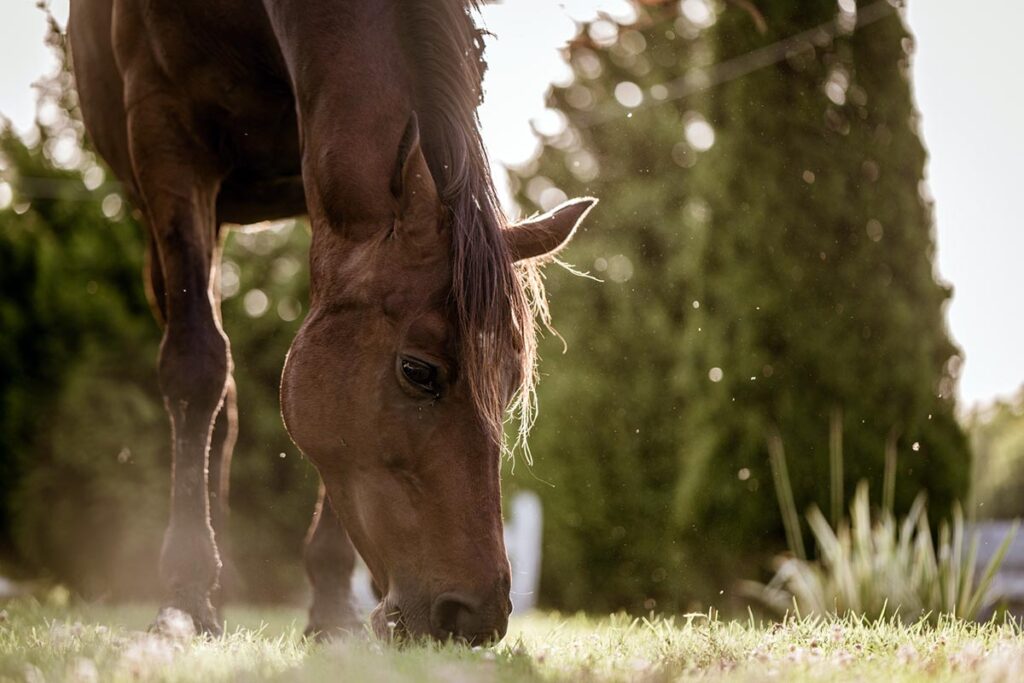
(250, 124)
(235, 77)
(235, 82)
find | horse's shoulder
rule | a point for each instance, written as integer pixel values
(204, 50)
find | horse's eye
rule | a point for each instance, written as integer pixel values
(422, 375)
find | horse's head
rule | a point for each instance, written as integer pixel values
(381, 393)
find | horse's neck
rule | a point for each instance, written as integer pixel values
(353, 86)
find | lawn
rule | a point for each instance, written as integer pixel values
(91, 643)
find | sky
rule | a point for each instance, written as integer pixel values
(967, 86)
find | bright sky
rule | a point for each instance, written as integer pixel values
(967, 86)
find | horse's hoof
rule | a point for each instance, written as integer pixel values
(211, 627)
(332, 619)
(325, 632)
(173, 623)
(177, 624)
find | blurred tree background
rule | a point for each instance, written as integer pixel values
(997, 443)
(766, 244)
(766, 249)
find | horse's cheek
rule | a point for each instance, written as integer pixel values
(305, 402)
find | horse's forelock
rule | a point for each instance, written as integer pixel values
(497, 301)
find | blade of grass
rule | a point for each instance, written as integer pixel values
(784, 492)
(977, 602)
(889, 481)
(835, 460)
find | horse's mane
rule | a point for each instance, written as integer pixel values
(497, 302)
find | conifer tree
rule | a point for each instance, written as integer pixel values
(766, 247)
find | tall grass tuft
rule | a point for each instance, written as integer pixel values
(835, 460)
(872, 565)
(784, 492)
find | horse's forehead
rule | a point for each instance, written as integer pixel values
(430, 329)
(404, 300)
(385, 269)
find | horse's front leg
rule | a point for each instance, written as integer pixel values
(177, 182)
(330, 559)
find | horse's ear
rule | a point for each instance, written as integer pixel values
(412, 184)
(546, 234)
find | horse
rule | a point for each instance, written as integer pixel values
(424, 300)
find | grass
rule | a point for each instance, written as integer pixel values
(86, 644)
(871, 563)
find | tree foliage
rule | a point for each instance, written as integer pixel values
(997, 440)
(766, 246)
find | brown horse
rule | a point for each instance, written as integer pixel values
(420, 332)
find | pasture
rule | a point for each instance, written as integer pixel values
(758, 387)
(91, 643)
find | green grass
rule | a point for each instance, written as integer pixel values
(873, 564)
(105, 643)
(870, 563)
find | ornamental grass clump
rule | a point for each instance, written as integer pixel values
(872, 564)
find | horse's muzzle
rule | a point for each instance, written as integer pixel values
(458, 617)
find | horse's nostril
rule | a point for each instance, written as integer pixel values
(453, 615)
(461, 617)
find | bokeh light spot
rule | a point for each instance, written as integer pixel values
(698, 12)
(255, 303)
(111, 206)
(629, 94)
(698, 132)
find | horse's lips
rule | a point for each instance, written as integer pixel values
(386, 622)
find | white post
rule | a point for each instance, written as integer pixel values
(523, 541)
